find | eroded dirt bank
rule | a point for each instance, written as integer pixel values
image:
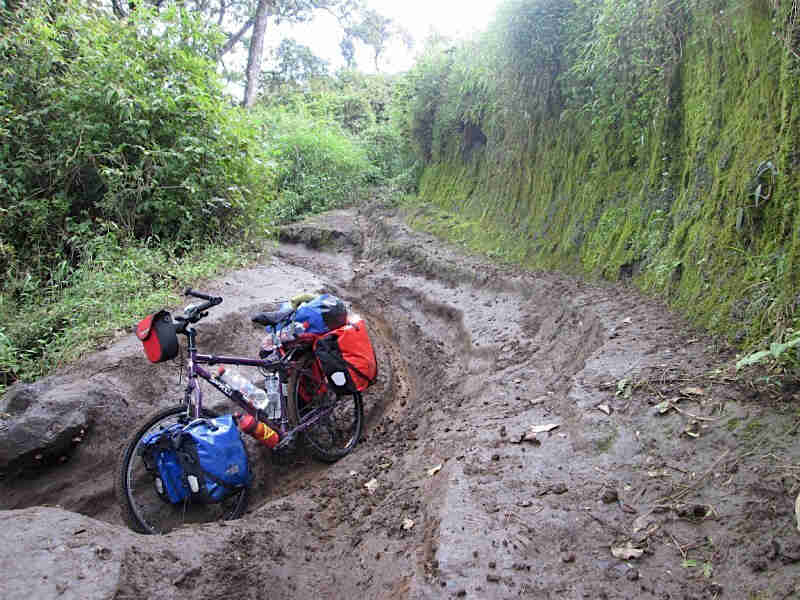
(687, 476)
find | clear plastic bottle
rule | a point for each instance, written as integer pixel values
(272, 384)
(253, 394)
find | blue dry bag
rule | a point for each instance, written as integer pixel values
(322, 314)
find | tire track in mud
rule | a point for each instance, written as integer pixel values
(510, 518)
(471, 355)
(493, 370)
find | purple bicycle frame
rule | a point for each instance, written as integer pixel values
(285, 434)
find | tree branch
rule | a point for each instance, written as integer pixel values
(234, 39)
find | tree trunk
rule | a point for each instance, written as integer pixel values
(256, 52)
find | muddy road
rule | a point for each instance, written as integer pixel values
(530, 436)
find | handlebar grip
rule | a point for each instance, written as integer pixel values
(191, 292)
(214, 300)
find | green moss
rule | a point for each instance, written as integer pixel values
(672, 203)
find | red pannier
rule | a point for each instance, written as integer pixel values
(158, 337)
(347, 357)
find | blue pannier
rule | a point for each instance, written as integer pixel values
(205, 460)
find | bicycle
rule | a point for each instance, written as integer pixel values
(330, 423)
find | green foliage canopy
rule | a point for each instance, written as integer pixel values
(122, 123)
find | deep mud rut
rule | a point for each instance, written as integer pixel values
(697, 502)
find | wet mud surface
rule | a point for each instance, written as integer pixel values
(530, 436)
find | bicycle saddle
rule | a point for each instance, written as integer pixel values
(271, 318)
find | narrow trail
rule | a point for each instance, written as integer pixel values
(469, 502)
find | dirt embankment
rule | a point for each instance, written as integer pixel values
(651, 475)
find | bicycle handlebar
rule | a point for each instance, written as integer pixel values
(214, 300)
(197, 312)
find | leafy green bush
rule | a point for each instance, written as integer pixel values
(384, 146)
(777, 353)
(122, 122)
(319, 166)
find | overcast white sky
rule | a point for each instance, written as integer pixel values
(454, 18)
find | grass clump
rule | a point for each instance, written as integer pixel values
(46, 326)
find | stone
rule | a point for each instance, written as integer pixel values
(40, 422)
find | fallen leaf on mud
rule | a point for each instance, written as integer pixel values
(531, 437)
(627, 321)
(407, 523)
(797, 511)
(604, 408)
(371, 485)
(663, 407)
(538, 400)
(543, 428)
(693, 429)
(434, 470)
(385, 465)
(626, 552)
(693, 391)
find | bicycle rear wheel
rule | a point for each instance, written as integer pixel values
(143, 509)
(338, 429)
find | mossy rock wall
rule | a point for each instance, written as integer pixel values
(700, 205)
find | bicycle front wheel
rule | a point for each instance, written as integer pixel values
(143, 509)
(339, 417)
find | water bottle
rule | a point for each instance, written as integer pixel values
(272, 384)
(260, 431)
(254, 395)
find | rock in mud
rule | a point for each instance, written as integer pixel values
(66, 555)
(41, 421)
(610, 496)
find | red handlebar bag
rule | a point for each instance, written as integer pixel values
(158, 337)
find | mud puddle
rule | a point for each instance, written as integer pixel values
(530, 435)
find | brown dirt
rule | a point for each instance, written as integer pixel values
(469, 503)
